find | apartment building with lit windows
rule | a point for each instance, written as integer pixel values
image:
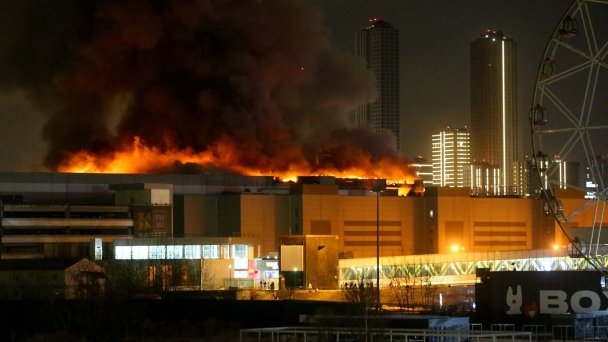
(451, 158)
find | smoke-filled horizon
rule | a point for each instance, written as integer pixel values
(189, 75)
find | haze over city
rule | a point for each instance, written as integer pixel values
(434, 63)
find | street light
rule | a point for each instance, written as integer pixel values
(295, 274)
(378, 187)
(378, 248)
(229, 276)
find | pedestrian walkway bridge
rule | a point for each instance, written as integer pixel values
(458, 268)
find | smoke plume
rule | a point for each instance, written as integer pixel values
(194, 75)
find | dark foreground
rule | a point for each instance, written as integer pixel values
(167, 319)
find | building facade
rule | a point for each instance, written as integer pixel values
(559, 175)
(451, 158)
(378, 46)
(238, 226)
(493, 109)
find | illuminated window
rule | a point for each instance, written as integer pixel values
(211, 251)
(175, 252)
(240, 251)
(157, 252)
(122, 252)
(192, 252)
(271, 274)
(274, 265)
(139, 252)
(241, 264)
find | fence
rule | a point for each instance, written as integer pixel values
(318, 334)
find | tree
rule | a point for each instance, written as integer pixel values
(402, 286)
(363, 297)
(411, 286)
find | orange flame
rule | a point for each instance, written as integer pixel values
(138, 157)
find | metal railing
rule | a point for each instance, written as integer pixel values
(316, 334)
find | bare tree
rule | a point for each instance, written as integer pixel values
(411, 285)
(363, 296)
(401, 287)
(128, 279)
(189, 274)
(428, 291)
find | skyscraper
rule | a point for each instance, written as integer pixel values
(378, 46)
(451, 160)
(493, 107)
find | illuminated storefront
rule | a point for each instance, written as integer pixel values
(230, 260)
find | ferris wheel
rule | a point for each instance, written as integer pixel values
(569, 126)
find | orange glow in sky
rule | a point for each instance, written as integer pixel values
(138, 157)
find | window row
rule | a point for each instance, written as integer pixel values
(181, 252)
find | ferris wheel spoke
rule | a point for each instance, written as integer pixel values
(588, 29)
(557, 130)
(569, 145)
(601, 219)
(561, 107)
(590, 158)
(602, 53)
(592, 128)
(589, 95)
(577, 8)
(576, 212)
(566, 73)
(571, 129)
(587, 147)
(576, 187)
(603, 194)
(578, 51)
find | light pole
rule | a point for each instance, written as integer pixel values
(295, 275)
(379, 186)
(378, 249)
(229, 276)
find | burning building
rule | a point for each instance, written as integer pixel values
(240, 218)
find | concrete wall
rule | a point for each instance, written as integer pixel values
(264, 218)
(256, 216)
(424, 213)
(199, 214)
(359, 221)
(444, 218)
(229, 214)
(355, 219)
(477, 224)
(320, 209)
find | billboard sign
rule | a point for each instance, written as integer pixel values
(526, 296)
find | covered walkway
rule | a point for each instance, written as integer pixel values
(458, 268)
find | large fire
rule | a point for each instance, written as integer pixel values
(138, 157)
(189, 87)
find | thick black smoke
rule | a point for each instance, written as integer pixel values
(186, 74)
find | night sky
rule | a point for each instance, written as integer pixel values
(435, 37)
